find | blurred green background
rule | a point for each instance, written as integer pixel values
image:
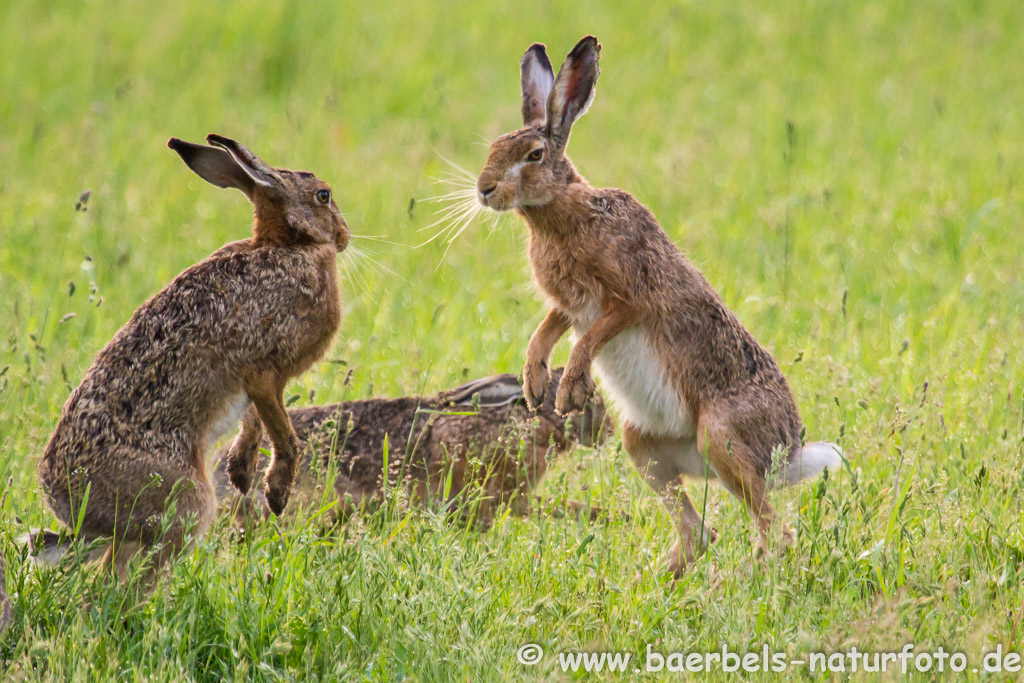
(846, 174)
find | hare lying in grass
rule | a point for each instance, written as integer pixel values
(432, 442)
(698, 395)
(228, 332)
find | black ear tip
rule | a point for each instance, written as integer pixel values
(175, 144)
(219, 141)
(538, 52)
(587, 42)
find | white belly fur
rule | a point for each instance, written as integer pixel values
(230, 416)
(635, 380)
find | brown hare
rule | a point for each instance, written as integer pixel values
(698, 396)
(431, 442)
(128, 458)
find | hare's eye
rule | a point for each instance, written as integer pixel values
(323, 196)
(535, 155)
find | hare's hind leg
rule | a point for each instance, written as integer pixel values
(118, 554)
(195, 506)
(738, 468)
(662, 461)
(167, 505)
(146, 502)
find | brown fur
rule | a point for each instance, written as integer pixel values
(606, 266)
(427, 440)
(231, 329)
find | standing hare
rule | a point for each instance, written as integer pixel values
(697, 394)
(432, 443)
(128, 458)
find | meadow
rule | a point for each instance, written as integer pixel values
(846, 174)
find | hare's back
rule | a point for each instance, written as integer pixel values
(185, 351)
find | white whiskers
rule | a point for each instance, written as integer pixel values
(356, 259)
(456, 214)
(372, 259)
(377, 238)
(459, 207)
(352, 272)
(459, 171)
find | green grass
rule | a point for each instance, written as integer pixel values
(848, 175)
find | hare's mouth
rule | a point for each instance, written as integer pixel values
(495, 204)
(496, 199)
(495, 196)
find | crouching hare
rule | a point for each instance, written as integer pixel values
(431, 442)
(698, 395)
(227, 333)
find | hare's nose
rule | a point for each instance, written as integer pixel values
(486, 191)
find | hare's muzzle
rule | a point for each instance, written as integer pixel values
(497, 196)
(485, 191)
(341, 240)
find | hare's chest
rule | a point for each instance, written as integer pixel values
(564, 281)
(636, 380)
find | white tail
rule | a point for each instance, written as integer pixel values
(809, 462)
(46, 548)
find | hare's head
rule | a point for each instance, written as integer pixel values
(528, 167)
(291, 207)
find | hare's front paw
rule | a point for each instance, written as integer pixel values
(535, 384)
(279, 487)
(574, 391)
(241, 470)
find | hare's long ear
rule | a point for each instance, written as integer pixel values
(213, 165)
(257, 169)
(498, 390)
(536, 78)
(298, 217)
(573, 90)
